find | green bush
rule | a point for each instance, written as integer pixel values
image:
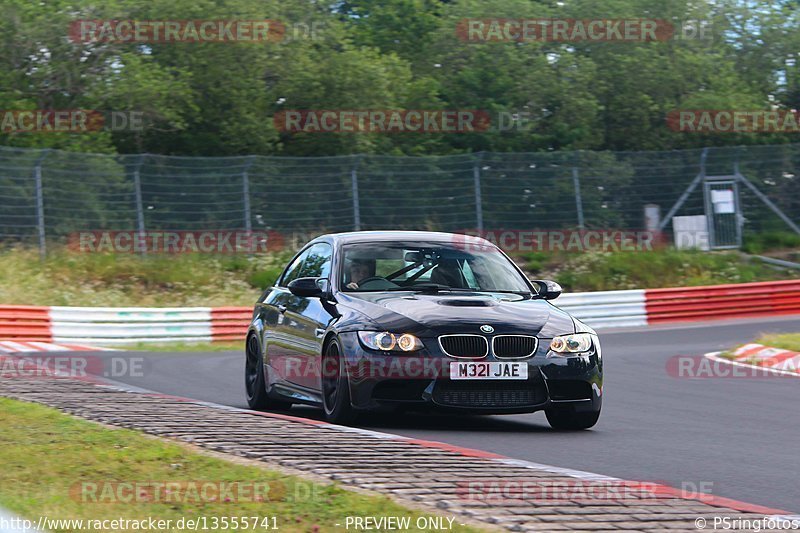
(643, 270)
(758, 243)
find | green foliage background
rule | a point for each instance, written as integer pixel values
(219, 99)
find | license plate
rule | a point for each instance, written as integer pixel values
(493, 370)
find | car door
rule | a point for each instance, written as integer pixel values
(278, 334)
(302, 322)
(311, 317)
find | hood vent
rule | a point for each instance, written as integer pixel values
(472, 302)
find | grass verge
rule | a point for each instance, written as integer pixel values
(771, 242)
(83, 279)
(186, 280)
(785, 341)
(47, 455)
(647, 270)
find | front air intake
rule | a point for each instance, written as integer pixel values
(465, 346)
(514, 346)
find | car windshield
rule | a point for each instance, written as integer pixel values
(381, 266)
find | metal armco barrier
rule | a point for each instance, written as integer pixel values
(120, 325)
(604, 309)
(123, 325)
(230, 323)
(24, 322)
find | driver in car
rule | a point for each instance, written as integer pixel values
(359, 270)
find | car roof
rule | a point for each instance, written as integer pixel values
(389, 236)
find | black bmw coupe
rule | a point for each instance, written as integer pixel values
(419, 320)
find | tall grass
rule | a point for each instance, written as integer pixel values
(787, 341)
(770, 241)
(70, 278)
(644, 270)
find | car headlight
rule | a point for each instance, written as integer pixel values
(575, 343)
(387, 342)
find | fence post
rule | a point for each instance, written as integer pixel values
(476, 178)
(738, 205)
(137, 188)
(576, 182)
(354, 186)
(37, 175)
(248, 223)
(701, 176)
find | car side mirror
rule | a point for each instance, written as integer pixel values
(548, 289)
(307, 287)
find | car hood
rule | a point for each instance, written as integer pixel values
(443, 313)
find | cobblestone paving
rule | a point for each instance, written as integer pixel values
(429, 476)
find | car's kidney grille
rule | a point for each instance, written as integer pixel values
(514, 346)
(464, 345)
(489, 393)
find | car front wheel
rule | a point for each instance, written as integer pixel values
(336, 386)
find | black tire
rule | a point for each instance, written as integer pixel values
(255, 380)
(336, 386)
(566, 418)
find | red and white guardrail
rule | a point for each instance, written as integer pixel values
(603, 309)
(123, 325)
(684, 304)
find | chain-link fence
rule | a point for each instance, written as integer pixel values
(46, 195)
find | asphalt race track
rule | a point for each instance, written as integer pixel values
(739, 437)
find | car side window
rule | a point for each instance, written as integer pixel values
(317, 262)
(293, 271)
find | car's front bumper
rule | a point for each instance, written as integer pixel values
(420, 380)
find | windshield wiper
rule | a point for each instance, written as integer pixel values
(503, 291)
(428, 287)
(436, 287)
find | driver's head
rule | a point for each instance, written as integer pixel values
(359, 270)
